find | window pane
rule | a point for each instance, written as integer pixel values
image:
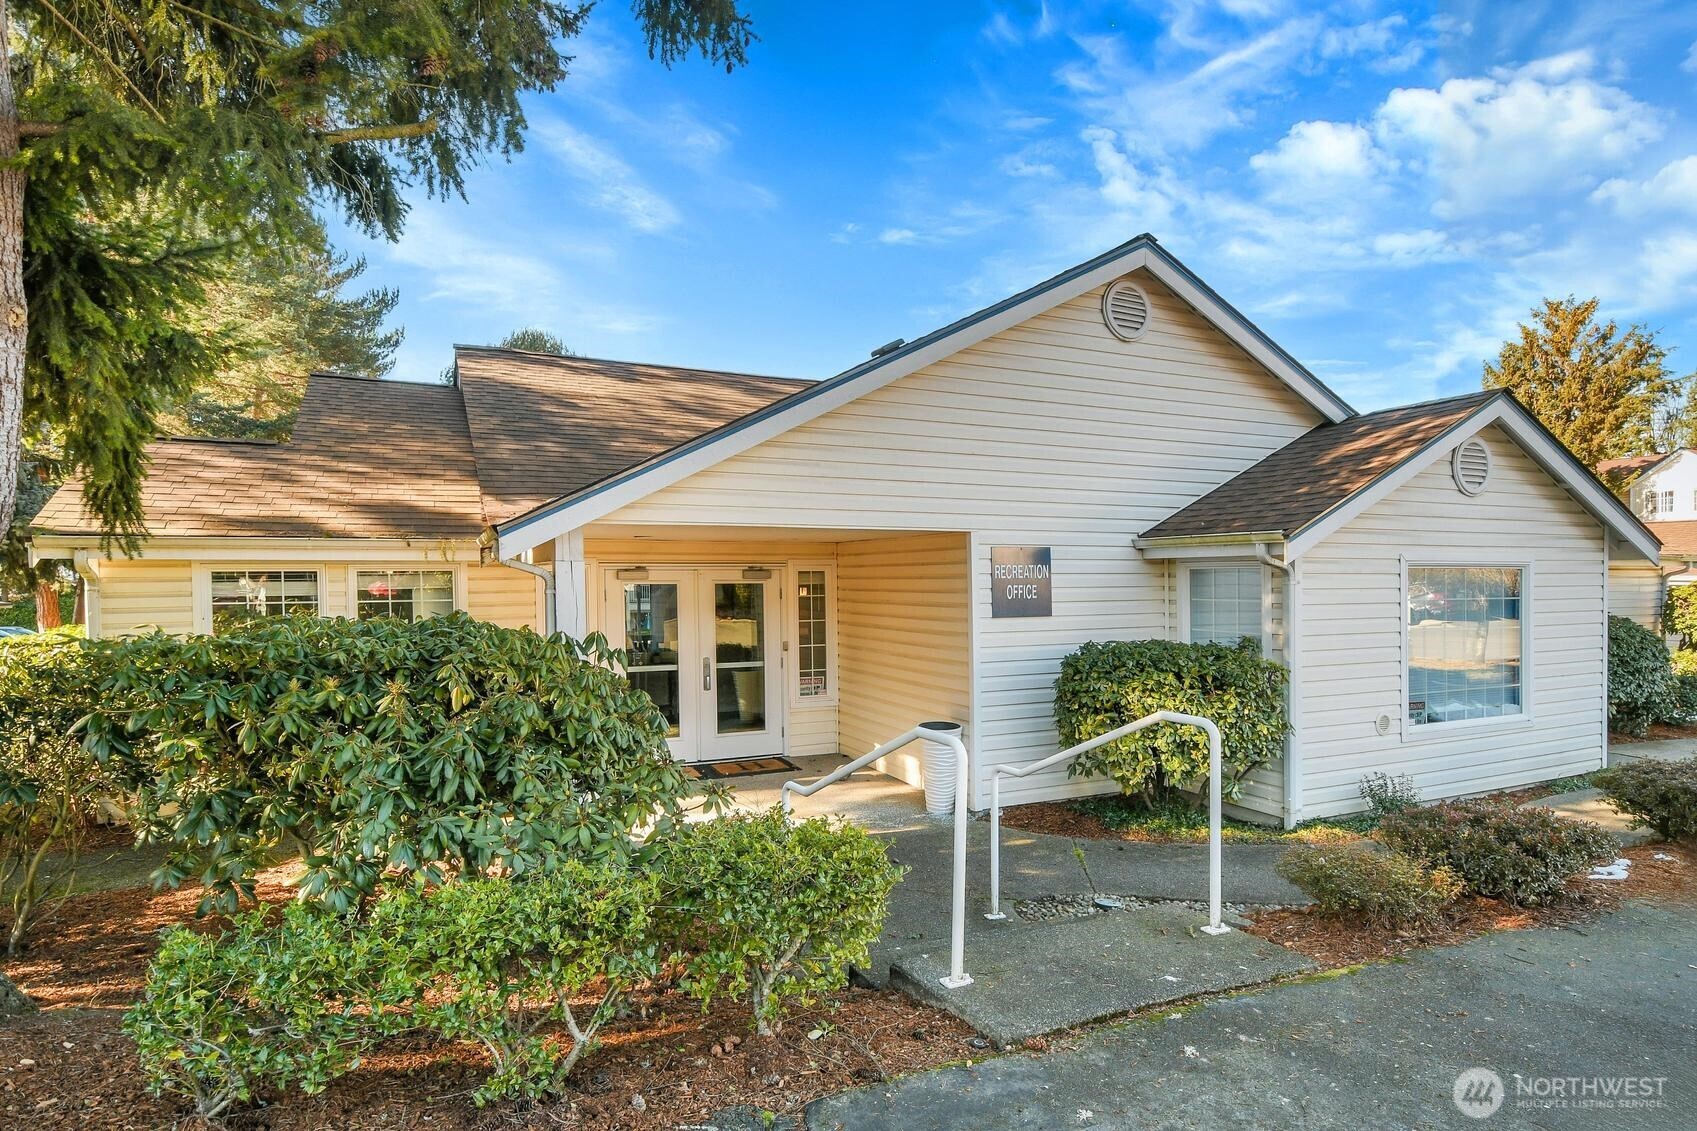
(810, 633)
(240, 595)
(1464, 636)
(410, 594)
(1225, 604)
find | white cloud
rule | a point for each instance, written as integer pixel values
(1161, 112)
(1146, 197)
(1501, 139)
(1015, 165)
(1690, 63)
(613, 185)
(1319, 161)
(1672, 189)
(898, 236)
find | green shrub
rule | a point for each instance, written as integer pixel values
(1684, 709)
(1641, 687)
(1679, 614)
(1656, 795)
(1106, 685)
(50, 785)
(1683, 662)
(771, 911)
(435, 748)
(296, 1001)
(1522, 856)
(1386, 794)
(1382, 888)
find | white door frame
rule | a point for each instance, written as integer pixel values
(698, 676)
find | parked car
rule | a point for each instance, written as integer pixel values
(1425, 604)
(15, 630)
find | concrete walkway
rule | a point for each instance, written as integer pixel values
(1378, 1048)
(1657, 750)
(1589, 805)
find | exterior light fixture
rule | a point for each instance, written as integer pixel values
(639, 573)
(756, 573)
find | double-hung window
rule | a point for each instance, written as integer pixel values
(240, 595)
(410, 594)
(1465, 643)
(1224, 604)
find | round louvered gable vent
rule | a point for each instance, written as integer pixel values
(1125, 308)
(1471, 465)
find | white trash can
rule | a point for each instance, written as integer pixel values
(939, 769)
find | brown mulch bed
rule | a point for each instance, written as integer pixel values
(1657, 733)
(1333, 941)
(1061, 818)
(72, 1064)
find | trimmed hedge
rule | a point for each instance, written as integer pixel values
(1657, 795)
(1105, 685)
(773, 912)
(1522, 856)
(1382, 888)
(742, 906)
(442, 747)
(1641, 684)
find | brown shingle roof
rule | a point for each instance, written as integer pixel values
(545, 426)
(1309, 477)
(398, 459)
(369, 459)
(1679, 539)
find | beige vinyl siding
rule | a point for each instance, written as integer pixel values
(904, 642)
(139, 594)
(1053, 432)
(1635, 591)
(503, 595)
(1351, 636)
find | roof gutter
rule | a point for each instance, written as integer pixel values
(549, 613)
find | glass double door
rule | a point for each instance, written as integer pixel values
(702, 644)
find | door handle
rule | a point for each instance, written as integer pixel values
(706, 673)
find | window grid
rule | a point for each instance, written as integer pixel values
(1667, 502)
(812, 659)
(240, 595)
(1225, 604)
(410, 594)
(1464, 643)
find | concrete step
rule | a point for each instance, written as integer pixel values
(1036, 978)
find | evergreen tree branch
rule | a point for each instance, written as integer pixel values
(100, 54)
(397, 132)
(27, 130)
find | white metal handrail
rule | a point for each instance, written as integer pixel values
(1214, 927)
(948, 734)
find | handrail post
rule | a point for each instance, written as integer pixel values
(996, 846)
(1214, 927)
(948, 734)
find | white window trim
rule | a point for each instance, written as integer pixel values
(200, 585)
(1525, 719)
(789, 607)
(1183, 581)
(357, 568)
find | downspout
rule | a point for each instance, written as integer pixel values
(1293, 697)
(547, 576)
(83, 563)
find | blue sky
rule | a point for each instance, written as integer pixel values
(1386, 189)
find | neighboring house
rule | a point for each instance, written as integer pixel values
(814, 567)
(1661, 489)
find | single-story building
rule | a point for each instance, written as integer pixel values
(805, 567)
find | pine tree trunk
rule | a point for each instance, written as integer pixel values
(14, 312)
(47, 606)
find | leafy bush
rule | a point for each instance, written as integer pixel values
(773, 911)
(1641, 688)
(1523, 856)
(49, 784)
(1657, 795)
(1683, 662)
(297, 1001)
(1385, 794)
(440, 747)
(1679, 614)
(1382, 888)
(1106, 685)
(1684, 709)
